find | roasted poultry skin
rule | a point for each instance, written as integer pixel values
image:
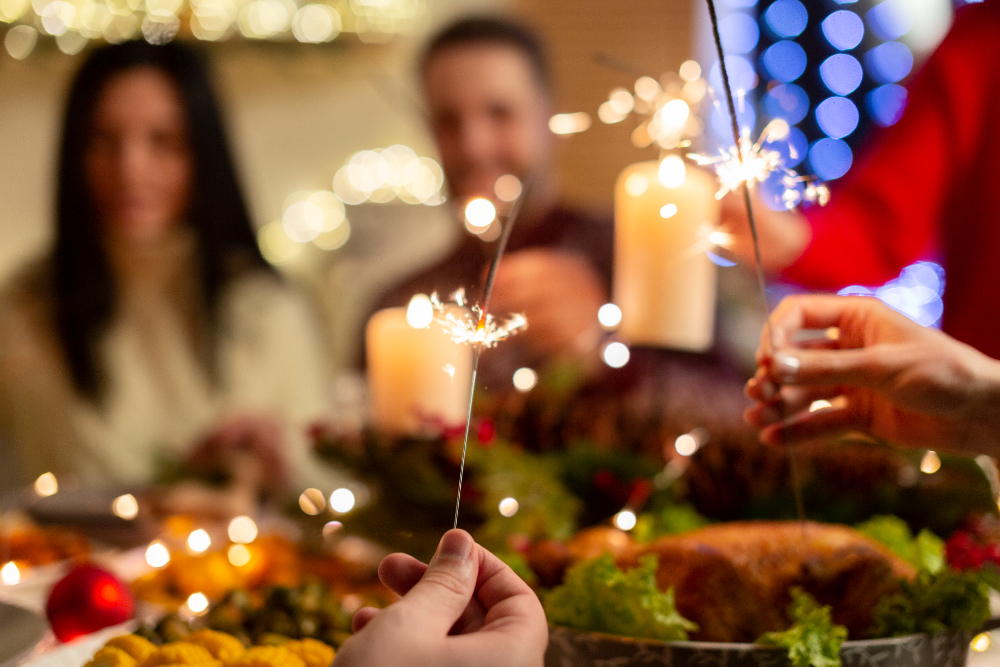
(733, 579)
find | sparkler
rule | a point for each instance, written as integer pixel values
(744, 169)
(485, 332)
(476, 327)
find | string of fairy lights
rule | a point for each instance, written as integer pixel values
(72, 24)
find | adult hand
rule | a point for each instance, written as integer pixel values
(882, 374)
(467, 608)
(558, 292)
(783, 235)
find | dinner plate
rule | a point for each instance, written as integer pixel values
(20, 632)
(569, 648)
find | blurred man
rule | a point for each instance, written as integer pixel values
(489, 99)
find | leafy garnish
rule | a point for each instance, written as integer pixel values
(925, 551)
(947, 600)
(596, 596)
(670, 520)
(813, 640)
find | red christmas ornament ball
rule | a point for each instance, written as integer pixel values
(87, 600)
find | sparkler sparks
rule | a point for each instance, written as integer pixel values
(473, 327)
(753, 163)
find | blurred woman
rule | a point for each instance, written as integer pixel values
(154, 323)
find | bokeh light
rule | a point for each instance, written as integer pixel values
(742, 76)
(20, 41)
(569, 123)
(315, 23)
(889, 62)
(930, 463)
(525, 379)
(507, 188)
(843, 29)
(616, 354)
(886, 104)
(125, 507)
(626, 520)
(609, 315)
(841, 73)
(686, 444)
(238, 555)
(199, 541)
(830, 158)
(10, 574)
(508, 507)
(690, 70)
(890, 19)
(739, 33)
(837, 117)
(787, 101)
(312, 501)
(197, 603)
(46, 485)
(242, 530)
(668, 211)
(916, 293)
(636, 184)
(672, 173)
(786, 18)
(785, 61)
(480, 213)
(342, 501)
(157, 554)
(275, 245)
(420, 311)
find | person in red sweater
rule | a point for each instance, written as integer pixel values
(922, 185)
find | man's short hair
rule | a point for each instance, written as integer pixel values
(496, 31)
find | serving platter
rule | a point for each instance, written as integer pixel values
(20, 632)
(570, 648)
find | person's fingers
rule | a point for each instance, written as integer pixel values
(441, 596)
(808, 426)
(790, 402)
(362, 617)
(400, 572)
(871, 367)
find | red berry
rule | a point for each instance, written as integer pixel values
(86, 600)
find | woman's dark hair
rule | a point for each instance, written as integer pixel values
(84, 289)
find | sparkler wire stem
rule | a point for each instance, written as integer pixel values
(491, 275)
(730, 102)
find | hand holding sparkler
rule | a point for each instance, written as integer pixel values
(465, 608)
(876, 371)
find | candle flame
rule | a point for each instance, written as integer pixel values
(477, 327)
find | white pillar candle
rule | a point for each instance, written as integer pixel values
(418, 377)
(664, 282)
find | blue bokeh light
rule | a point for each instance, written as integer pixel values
(830, 158)
(890, 19)
(837, 117)
(785, 61)
(843, 29)
(886, 104)
(841, 73)
(889, 62)
(772, 191)
(742, 77)
(792, 148)
(787, 101)
(719, 259)
(740, 4)
(739, 33)
(787, 18)
(845, 2)
(746, 116)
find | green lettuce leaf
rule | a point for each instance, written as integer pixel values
(925, 551)
(596, 596)
(946, 600)
(813, 640)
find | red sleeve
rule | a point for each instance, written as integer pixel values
(884, 214)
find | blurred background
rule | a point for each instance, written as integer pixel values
(297, 112)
